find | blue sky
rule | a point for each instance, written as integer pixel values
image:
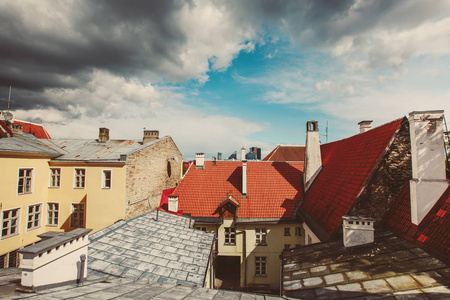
(220, 75)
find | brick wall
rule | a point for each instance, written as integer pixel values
(149, 172)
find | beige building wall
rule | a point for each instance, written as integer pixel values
(149, 172)
(275, 240)
(10, 199)
(103, 207)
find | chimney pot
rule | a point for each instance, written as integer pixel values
(103, 135)
(199, 160)
(150, 135)
(365, 126)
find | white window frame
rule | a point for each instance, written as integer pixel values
(229, 236)
(261, 236)
(33, 214)
(260, 266)
(72, 207)
(17, 218)
(51, 214)
(104, 187)
(75, 176)
(25, 177)
(56, 176)
(202, 228)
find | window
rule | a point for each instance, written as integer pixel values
(298, 231)
(287, 246)
(52, 214)
(77, 217)
(287, 231)
(260, 266)
(106, 179)
(25, 180)
(230, 236)
(10, 222)
(34, 216)
(55, 177)
(261, 234)
(80, 178)
(201, 228)
(309, 240)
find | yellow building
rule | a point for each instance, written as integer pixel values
(61, 184)
(250, 206)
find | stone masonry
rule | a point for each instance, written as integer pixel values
(149, 171)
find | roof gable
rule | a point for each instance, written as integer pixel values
(286, 153)
(347, 166)
(274, 189)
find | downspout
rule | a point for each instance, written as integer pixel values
(281, 275)
(244, 253)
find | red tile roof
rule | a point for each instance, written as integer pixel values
(274, 189)
(347, 165)
(3, 125)
(286, 153)
(432, 234)
(34, 129)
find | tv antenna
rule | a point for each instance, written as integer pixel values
(10, 102)
(326, 133)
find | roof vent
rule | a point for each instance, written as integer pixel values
(365, 125)
(103, 135)
(357, 231)
(199, 160)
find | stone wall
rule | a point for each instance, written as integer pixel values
(149, 172)
(393, 172)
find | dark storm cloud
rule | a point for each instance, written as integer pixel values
(129, 38)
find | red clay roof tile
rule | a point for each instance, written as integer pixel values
(34, 129)
(274, 189)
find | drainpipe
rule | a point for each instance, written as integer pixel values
(244, 253)
(281, 275)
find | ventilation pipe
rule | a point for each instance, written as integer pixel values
(244, 178)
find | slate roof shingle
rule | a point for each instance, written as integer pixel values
(347, 165)
(274, 189)
(143, 248)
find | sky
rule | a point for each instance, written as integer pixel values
(220, 75)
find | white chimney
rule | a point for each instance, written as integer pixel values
(365, 125)
(244, 178)
(242, 154)
(173, 204)
(357, 231)
(428, 162)
(313, 159)
(199, 160)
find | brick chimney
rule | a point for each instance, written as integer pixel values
(103, 135)
(150, 135)
(313, 159)
(428, 162)
(16, 128)
(244, 178)
(357, 230)
(365, 126)
(199, 160)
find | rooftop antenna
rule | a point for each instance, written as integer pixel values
(326, 133)
(9, 99)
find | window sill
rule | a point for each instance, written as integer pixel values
(106, 189)
(261, 245)
(28, 193)
(9, 236)
(257, 275)
(51, 225)
(34, 228)
(54, 187)
(229, 244)
(78, 188)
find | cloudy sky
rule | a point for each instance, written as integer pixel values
(219, 75)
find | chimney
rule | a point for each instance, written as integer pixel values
(428, 162)
(244, 178)
(150, 135)
(199, 160)
(173, 204)
(242, 153)
(313, 159)
(365, 126)
(103, 135)
(357, 231)
(16, 128)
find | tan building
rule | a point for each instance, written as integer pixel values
(250, 206)
(62, 184)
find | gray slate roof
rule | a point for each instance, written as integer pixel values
(390, 267)
(110, 287)
(90, 150)
(167, 250)
(27, 144)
